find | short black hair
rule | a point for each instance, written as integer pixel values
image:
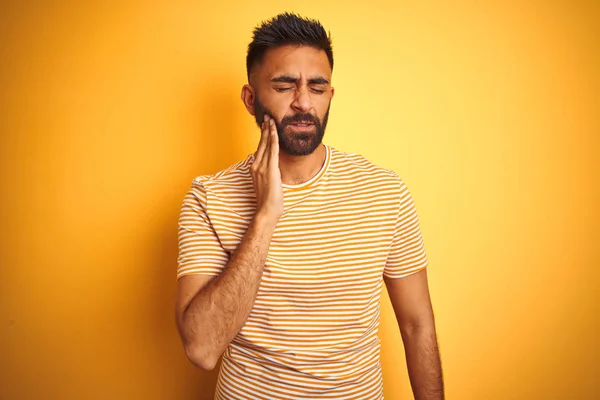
(283, 29)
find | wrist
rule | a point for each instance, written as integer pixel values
(265, 221)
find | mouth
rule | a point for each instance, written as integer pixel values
(302, 127)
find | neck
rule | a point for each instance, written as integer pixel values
(296, 170)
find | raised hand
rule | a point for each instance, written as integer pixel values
(266, 176)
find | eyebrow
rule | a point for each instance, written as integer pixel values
(290, 79)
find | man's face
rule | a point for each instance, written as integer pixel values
(293, 86)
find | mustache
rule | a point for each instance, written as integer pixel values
(300, 117)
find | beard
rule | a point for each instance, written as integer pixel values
(294, 143)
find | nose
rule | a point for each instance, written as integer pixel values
(302, 102)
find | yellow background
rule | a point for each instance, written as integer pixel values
(489, 112)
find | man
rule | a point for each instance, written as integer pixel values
(282, 256)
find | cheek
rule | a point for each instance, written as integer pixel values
(277, 107)
(322, 108)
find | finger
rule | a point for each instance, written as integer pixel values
(268, 140)
(264, 136)
(274, 146)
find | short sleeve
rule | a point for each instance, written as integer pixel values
(407, 252)
(200, 251)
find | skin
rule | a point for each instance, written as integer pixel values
(211, 311)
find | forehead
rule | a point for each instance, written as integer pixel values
(294, 60)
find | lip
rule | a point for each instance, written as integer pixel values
(307, 128)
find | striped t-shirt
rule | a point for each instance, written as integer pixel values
(312, 332)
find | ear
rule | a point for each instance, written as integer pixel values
(332, 91)
(248, 98)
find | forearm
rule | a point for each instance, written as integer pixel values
(218, 312)
(424, 365)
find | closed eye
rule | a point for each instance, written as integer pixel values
(285, 89)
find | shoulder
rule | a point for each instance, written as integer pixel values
(364, 170)
(234, 177)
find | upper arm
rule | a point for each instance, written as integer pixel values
(201, 256)
(405, 272)
(411, 301)
(200, 248)
(407, 250)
